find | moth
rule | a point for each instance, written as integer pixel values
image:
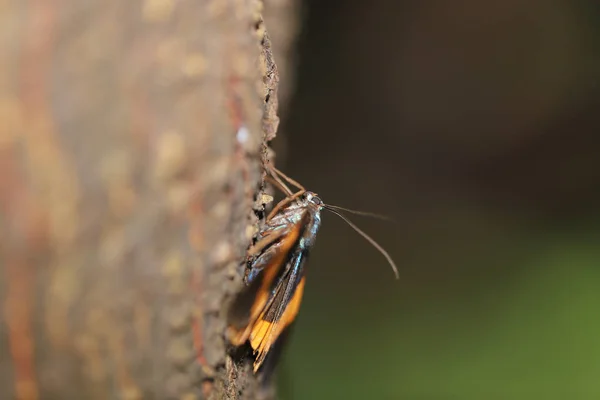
(264, 310)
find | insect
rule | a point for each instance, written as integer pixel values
(264, 310)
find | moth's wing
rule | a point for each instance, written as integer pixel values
(267, 369)
(282, 310)
(266, 273)
(249, 302)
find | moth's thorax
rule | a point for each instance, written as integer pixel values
(308, 199)
(293, 213)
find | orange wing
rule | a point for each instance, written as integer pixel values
(265, 330)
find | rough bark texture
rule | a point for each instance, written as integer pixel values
(131, 139)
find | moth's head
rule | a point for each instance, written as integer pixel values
(312, 198)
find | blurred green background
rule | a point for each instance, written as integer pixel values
(474, 125)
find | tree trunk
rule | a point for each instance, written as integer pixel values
(131, 140)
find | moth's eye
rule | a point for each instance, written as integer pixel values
(317, 200)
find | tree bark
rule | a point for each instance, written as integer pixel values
(131, 140)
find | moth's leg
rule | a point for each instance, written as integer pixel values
(278, 182)
(262, 261)
(271, 237)
(284, 202)
(275, 178)
(279, 185)
(277, 173)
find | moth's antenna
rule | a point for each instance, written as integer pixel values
(369, 239)
(363, 213)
